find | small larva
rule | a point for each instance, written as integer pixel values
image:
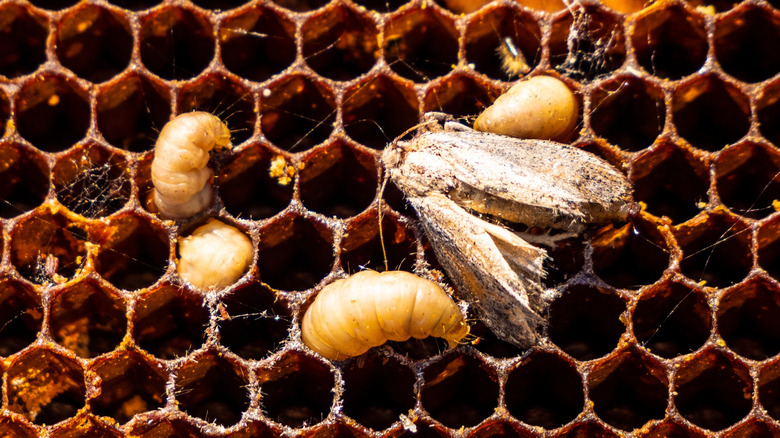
(542, 107)
(352, 315)
(179, 173)
(214, 256)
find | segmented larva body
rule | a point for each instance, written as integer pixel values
(214, 256)
(352, 315)
(179, 173)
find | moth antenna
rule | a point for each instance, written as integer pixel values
(379, 218)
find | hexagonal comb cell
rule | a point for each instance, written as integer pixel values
(748, 318)
(52, 112)
(255, 309)
(45, 386)
(87, 318)
(769, 389)
(92, 181)
(362, 246)
(131, 111)
(744, 43)
(21, 315)
(296, 391)
(377, 390)
(533, 400)
(24, 179)
(228, 100)
(257, 43)
(404, 48)
(213, 389)
(176, 43)
(169, 322)
(377, 110)
(713, 391)
(459, 390)
(768, 111)
(340, 43)
(459, 95)
(670, 41)
(22, 40)
(671, 319)
(130, 384)
(338, 180)
(747, 179)
(93, 42)
(628, 389)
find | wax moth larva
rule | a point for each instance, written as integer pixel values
(350, 316)
(179, 172)
(451, 174)
(214, 256)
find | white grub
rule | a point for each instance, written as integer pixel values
(179, 172)
(352, 315)
(541, 107)
(214, 256)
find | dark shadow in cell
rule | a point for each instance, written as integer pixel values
(213, 389)
(630, 257)
(747, 179)
(298, 114)
(246, 187)
(769, 389)
(52, 113)
(253, 309)
(45, 387)
(493, 35)
(133, 252)
(21, 316)
(713, 391)
(298, 390)
(669, 42)
(338, 180)
(628, 113)
(564, 261)
(169, 322)
(219, 5)
(135, 5)
(629, 390)
(485, 341)
(176, 43)
(93, 42)
(459, 95)
(131, 112)
(544, 390)
(670, 182)
(377, 390)
(709, 113)
(749, 319)
(585, 321)
(24, 179)
(745, 44)
(340, 43)
(670, 319)
(257, 43)
(92, 181)
(294, 253)
(598, 48)
(768, 112)
(382, 5)
(715, 249)
(130, 384)
(233, 103)
(459, 391)
(48, 249)
(87, 319)
(421, 44)
(378, 110)
(362, 247)
(54, 4)
(22, 40)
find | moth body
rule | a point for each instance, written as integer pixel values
(451, 175)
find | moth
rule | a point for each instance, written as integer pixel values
(461, 182)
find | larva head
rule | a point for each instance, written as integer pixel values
(209, 131)
(352, 315)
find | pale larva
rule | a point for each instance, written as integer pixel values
(179, 173)
(214, 256)
(352, 315)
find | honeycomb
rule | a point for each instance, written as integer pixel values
(667, 326)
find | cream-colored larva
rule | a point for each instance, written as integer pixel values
(541, 107)
(214, 256)
(179, 172)
(352, 315)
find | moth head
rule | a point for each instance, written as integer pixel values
(394, 154)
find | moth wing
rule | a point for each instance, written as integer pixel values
(483, 260)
